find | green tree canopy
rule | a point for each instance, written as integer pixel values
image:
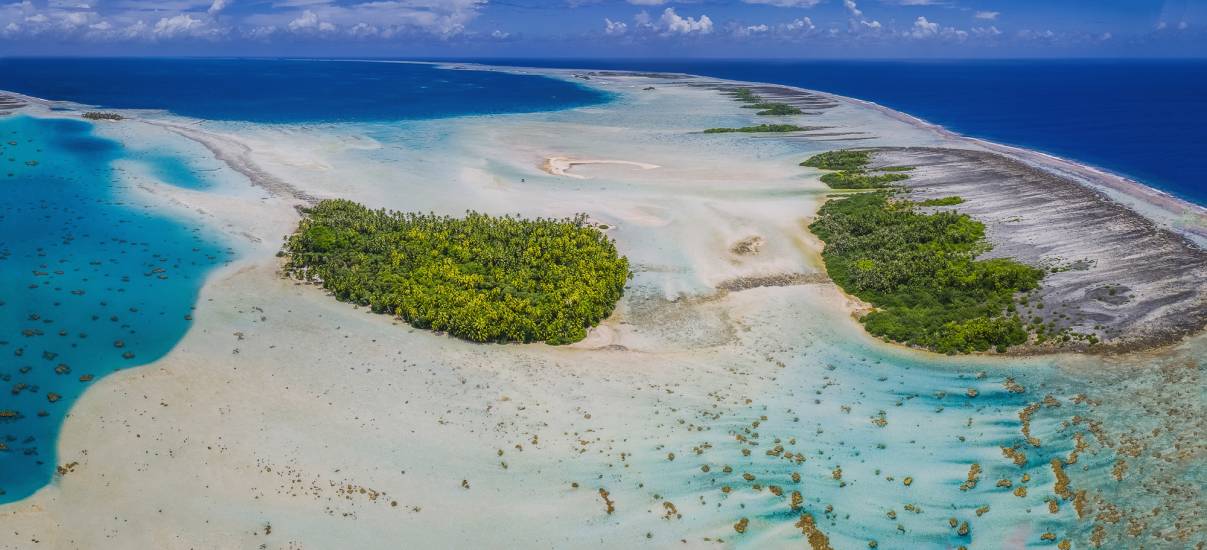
(482, 278)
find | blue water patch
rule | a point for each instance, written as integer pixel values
(265, 90)
(1141, 118)
(175, 170)
(89, 284)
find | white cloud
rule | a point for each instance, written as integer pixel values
(614, 27)
(136, 30)
(72, 20)
(69, 4)
(262, 33)
(218, 6)
(363, 30)
(1028, 34)
(926, 29)
(499, 35)
(310, 22)
(673, 23)
(803, 24)
(748, 30)
(851, 7)
(177, 26)
(642, 19)
(923, 28)
(986, 32)
(786, 3)
(392, 18)
(858, 23)
(987, 15)
(1182, 25)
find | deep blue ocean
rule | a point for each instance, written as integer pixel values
(288, 90)
(1145, 119)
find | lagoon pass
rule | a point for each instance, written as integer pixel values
(732, 400)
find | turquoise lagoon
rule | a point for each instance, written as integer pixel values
(91, 281)
(893, 448)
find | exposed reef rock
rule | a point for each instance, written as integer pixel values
(1112, 273)
(9, 103)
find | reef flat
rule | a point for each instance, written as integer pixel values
(9, 103)
(729, 401)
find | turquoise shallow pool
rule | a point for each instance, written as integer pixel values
(90, 281)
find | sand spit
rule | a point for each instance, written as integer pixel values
(238, 156)
(560, 166)
(1113, 273)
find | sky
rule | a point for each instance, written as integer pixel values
(608, 28)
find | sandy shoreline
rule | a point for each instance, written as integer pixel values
(287, 419)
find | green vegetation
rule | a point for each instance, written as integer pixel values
(96, 115)
(759, 128)
(860, 180)
(921, 273)
(745, 95)
(945, 201)
(482, 278)
(846, 159)
(779, 109)
(773, 108)
(769, 108)
(851, 172)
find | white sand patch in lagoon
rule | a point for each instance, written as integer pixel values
(560, 166)
(281, 404)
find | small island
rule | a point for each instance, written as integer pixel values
(763, 128)
(766, 108)
(481, 278)
(98, 115)
(850, 170)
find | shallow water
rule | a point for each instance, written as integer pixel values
(855, 420)
(90, 281)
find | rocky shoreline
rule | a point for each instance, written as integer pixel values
(1111, 272)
